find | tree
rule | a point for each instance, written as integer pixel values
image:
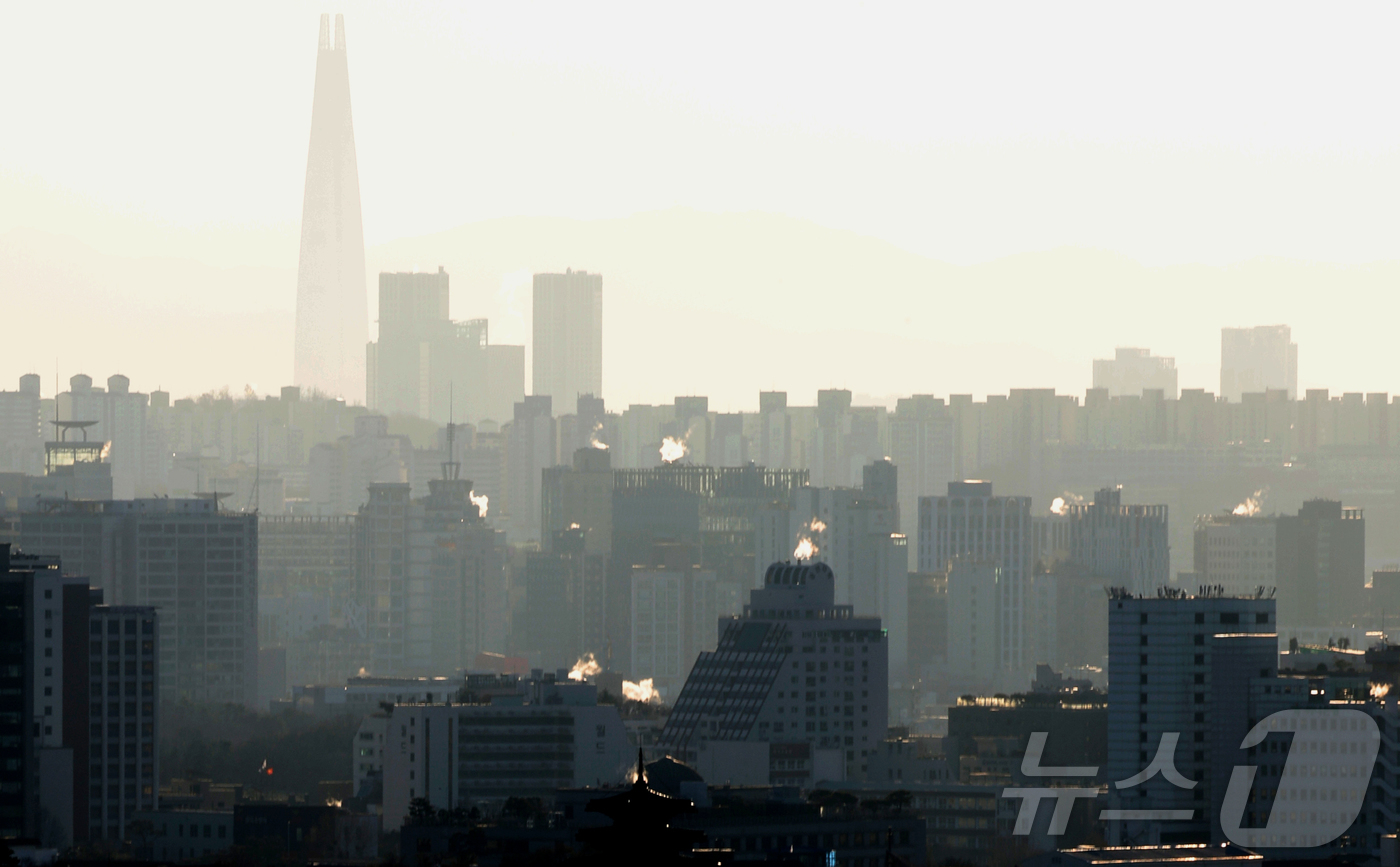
(420, 812)
(522, 808)
(899, 800)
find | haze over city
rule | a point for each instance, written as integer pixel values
(784, 179)
(497, 436)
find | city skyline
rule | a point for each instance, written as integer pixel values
(865, 237)
(717, 434)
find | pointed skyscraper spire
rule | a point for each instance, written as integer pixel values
(332, 311)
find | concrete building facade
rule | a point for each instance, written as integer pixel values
(795, 667)
(568, 336)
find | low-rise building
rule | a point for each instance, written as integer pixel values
(459, 754)
(182, 835)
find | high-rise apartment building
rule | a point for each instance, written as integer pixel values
(674, 605)
(22, 428)
(400, 366)
(36, 771)
(856, 532)
(565, 607)
(1161, 673)
(194, 562)
(973, 651)
(970, 522)
(432, 574)
(774, 446)
(81, 692)
(123, 774)
(1125, 545)
(1131, 371)
(531, 445)
(332, 325)
(1256, 360)
(341, 472)
(308, 601)
(568, 336)
(579, 497)
(716, 509)
(795, 667)
(923, 446)
(1315, 559)
(427, 365)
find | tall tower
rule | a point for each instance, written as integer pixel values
(568, 344)
(332, 315)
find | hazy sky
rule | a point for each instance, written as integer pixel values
(1170, 133)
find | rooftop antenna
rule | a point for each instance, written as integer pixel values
(254, 496)
(451, 469)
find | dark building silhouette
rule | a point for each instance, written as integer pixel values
(641, 831)
(79, 737)
(332, 312)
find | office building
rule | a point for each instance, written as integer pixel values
(1132, 371)
(1256, 360)
(795, 667)
(332, 324)
(1160, 679)
(454, 754)
(194, 562)
(969, 521)
(568, 336)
